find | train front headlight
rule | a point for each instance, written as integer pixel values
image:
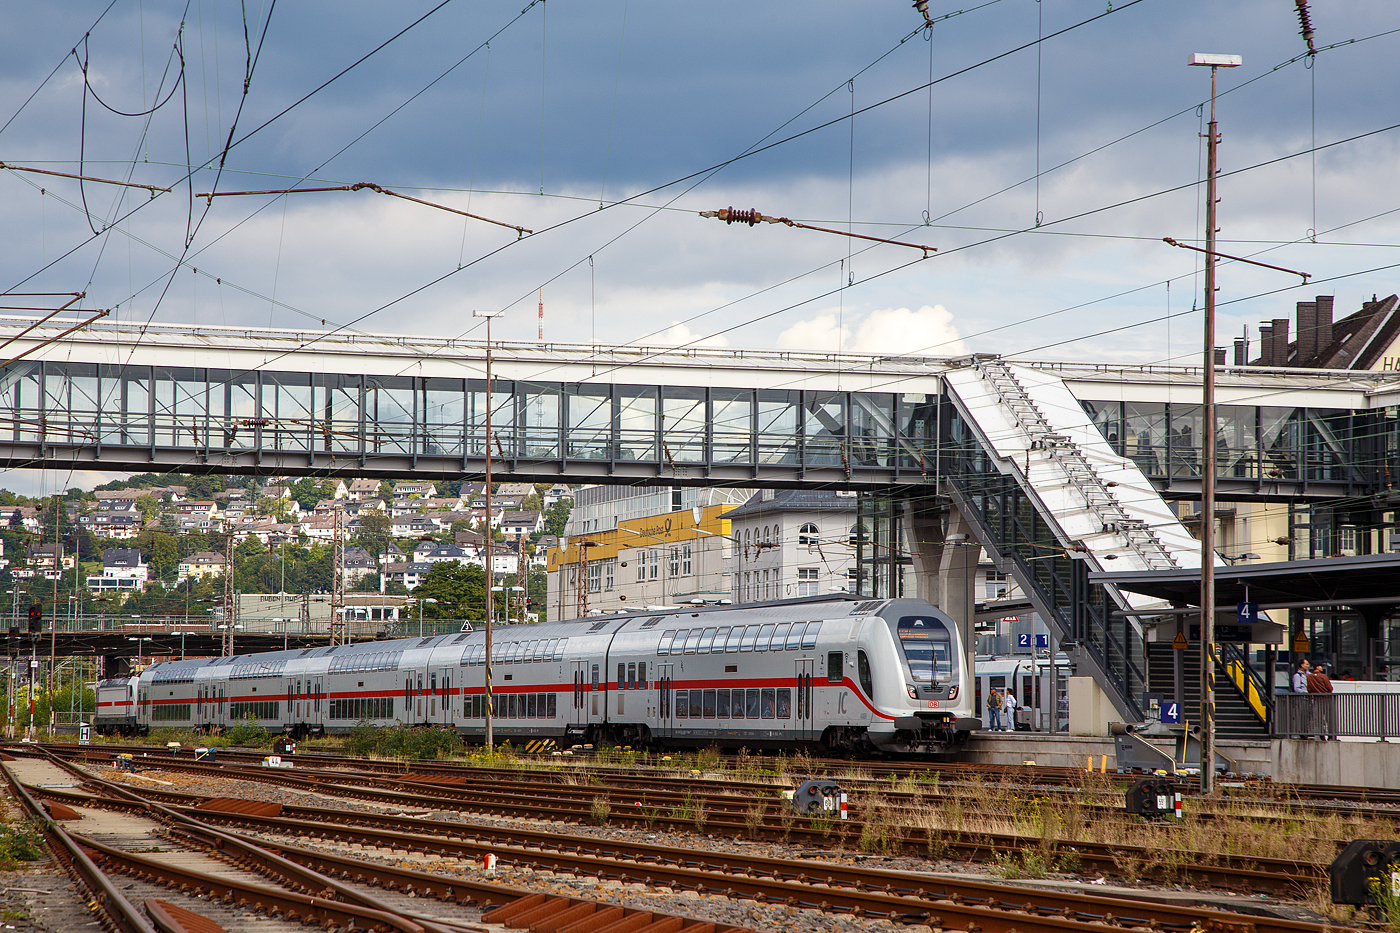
(913, 691)
(952, 693)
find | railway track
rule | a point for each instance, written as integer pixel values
(300, 893)
(899, 896)
(719, 796)
(769, 819)
(945, 778)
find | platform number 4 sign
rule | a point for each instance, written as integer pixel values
(1171, 712)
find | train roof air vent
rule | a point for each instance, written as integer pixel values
(867, 606)
(651, 623)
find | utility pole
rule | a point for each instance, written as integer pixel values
(1214, 62)
(582, 588)
(230, 600)
(53, 623)
(340, 625)
(490, 563)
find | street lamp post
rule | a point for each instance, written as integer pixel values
(490, 564)
(1214, 62)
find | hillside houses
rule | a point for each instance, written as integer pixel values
(412, 526)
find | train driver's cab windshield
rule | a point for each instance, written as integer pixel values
(929, 648)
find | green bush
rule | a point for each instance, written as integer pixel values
(20, 842)
(248, 731)
(400, 741)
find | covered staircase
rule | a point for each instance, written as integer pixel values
(1235, 715)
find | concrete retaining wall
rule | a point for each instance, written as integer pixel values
(1350, 764)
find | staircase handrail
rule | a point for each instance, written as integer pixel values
(1245, 678)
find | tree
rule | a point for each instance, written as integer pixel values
(274, 506)
(308, 491)
(148, 507)
(165, 556)
(458, 588)
(532, 503)
(376, 531)
(557, 516)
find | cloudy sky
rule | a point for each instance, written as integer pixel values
(607, 126)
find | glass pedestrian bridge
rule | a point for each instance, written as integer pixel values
(1046, 460)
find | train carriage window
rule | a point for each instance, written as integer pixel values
(834, 674)
(559, 649)
(751, 703)
(750, 634)
(707, 639)
(553, 705)
(863, 672)
(784, 702)
(764, 634)
(929, 649)
(692, 640)
(682, 704)
(549, 649)
(780, 635)
(809, 637)
(663, 647)
(768, 703)
(736, 635)
(641, 675)
(621, 675)
(709, 704)
(722, 704)
(794, 639)
(532, 706)
(696, 698)
(632, 676)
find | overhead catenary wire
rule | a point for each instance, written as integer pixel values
(368, 186)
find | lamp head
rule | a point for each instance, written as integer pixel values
(1215, 60)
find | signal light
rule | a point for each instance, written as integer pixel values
(36, 617)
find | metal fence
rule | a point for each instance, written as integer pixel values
(1330, 715)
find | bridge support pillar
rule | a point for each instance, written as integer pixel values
(946, 566)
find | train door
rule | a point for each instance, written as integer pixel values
(595, 692)
(317, 706)
(664, 700)
(803, 728)
(578, 715)
(443, 688)
(419, 698)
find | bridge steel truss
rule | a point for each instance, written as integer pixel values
(730, 418)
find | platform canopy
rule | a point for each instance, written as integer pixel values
(1368, 580)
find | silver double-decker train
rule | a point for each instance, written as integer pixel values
(839, 674)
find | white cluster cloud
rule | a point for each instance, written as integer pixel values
(928, 331)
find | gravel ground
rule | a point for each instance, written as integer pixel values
(711, 907)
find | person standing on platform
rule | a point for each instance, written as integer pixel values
(1009, 707)
(1300, 685)
(994, 710)
(1320, 685)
